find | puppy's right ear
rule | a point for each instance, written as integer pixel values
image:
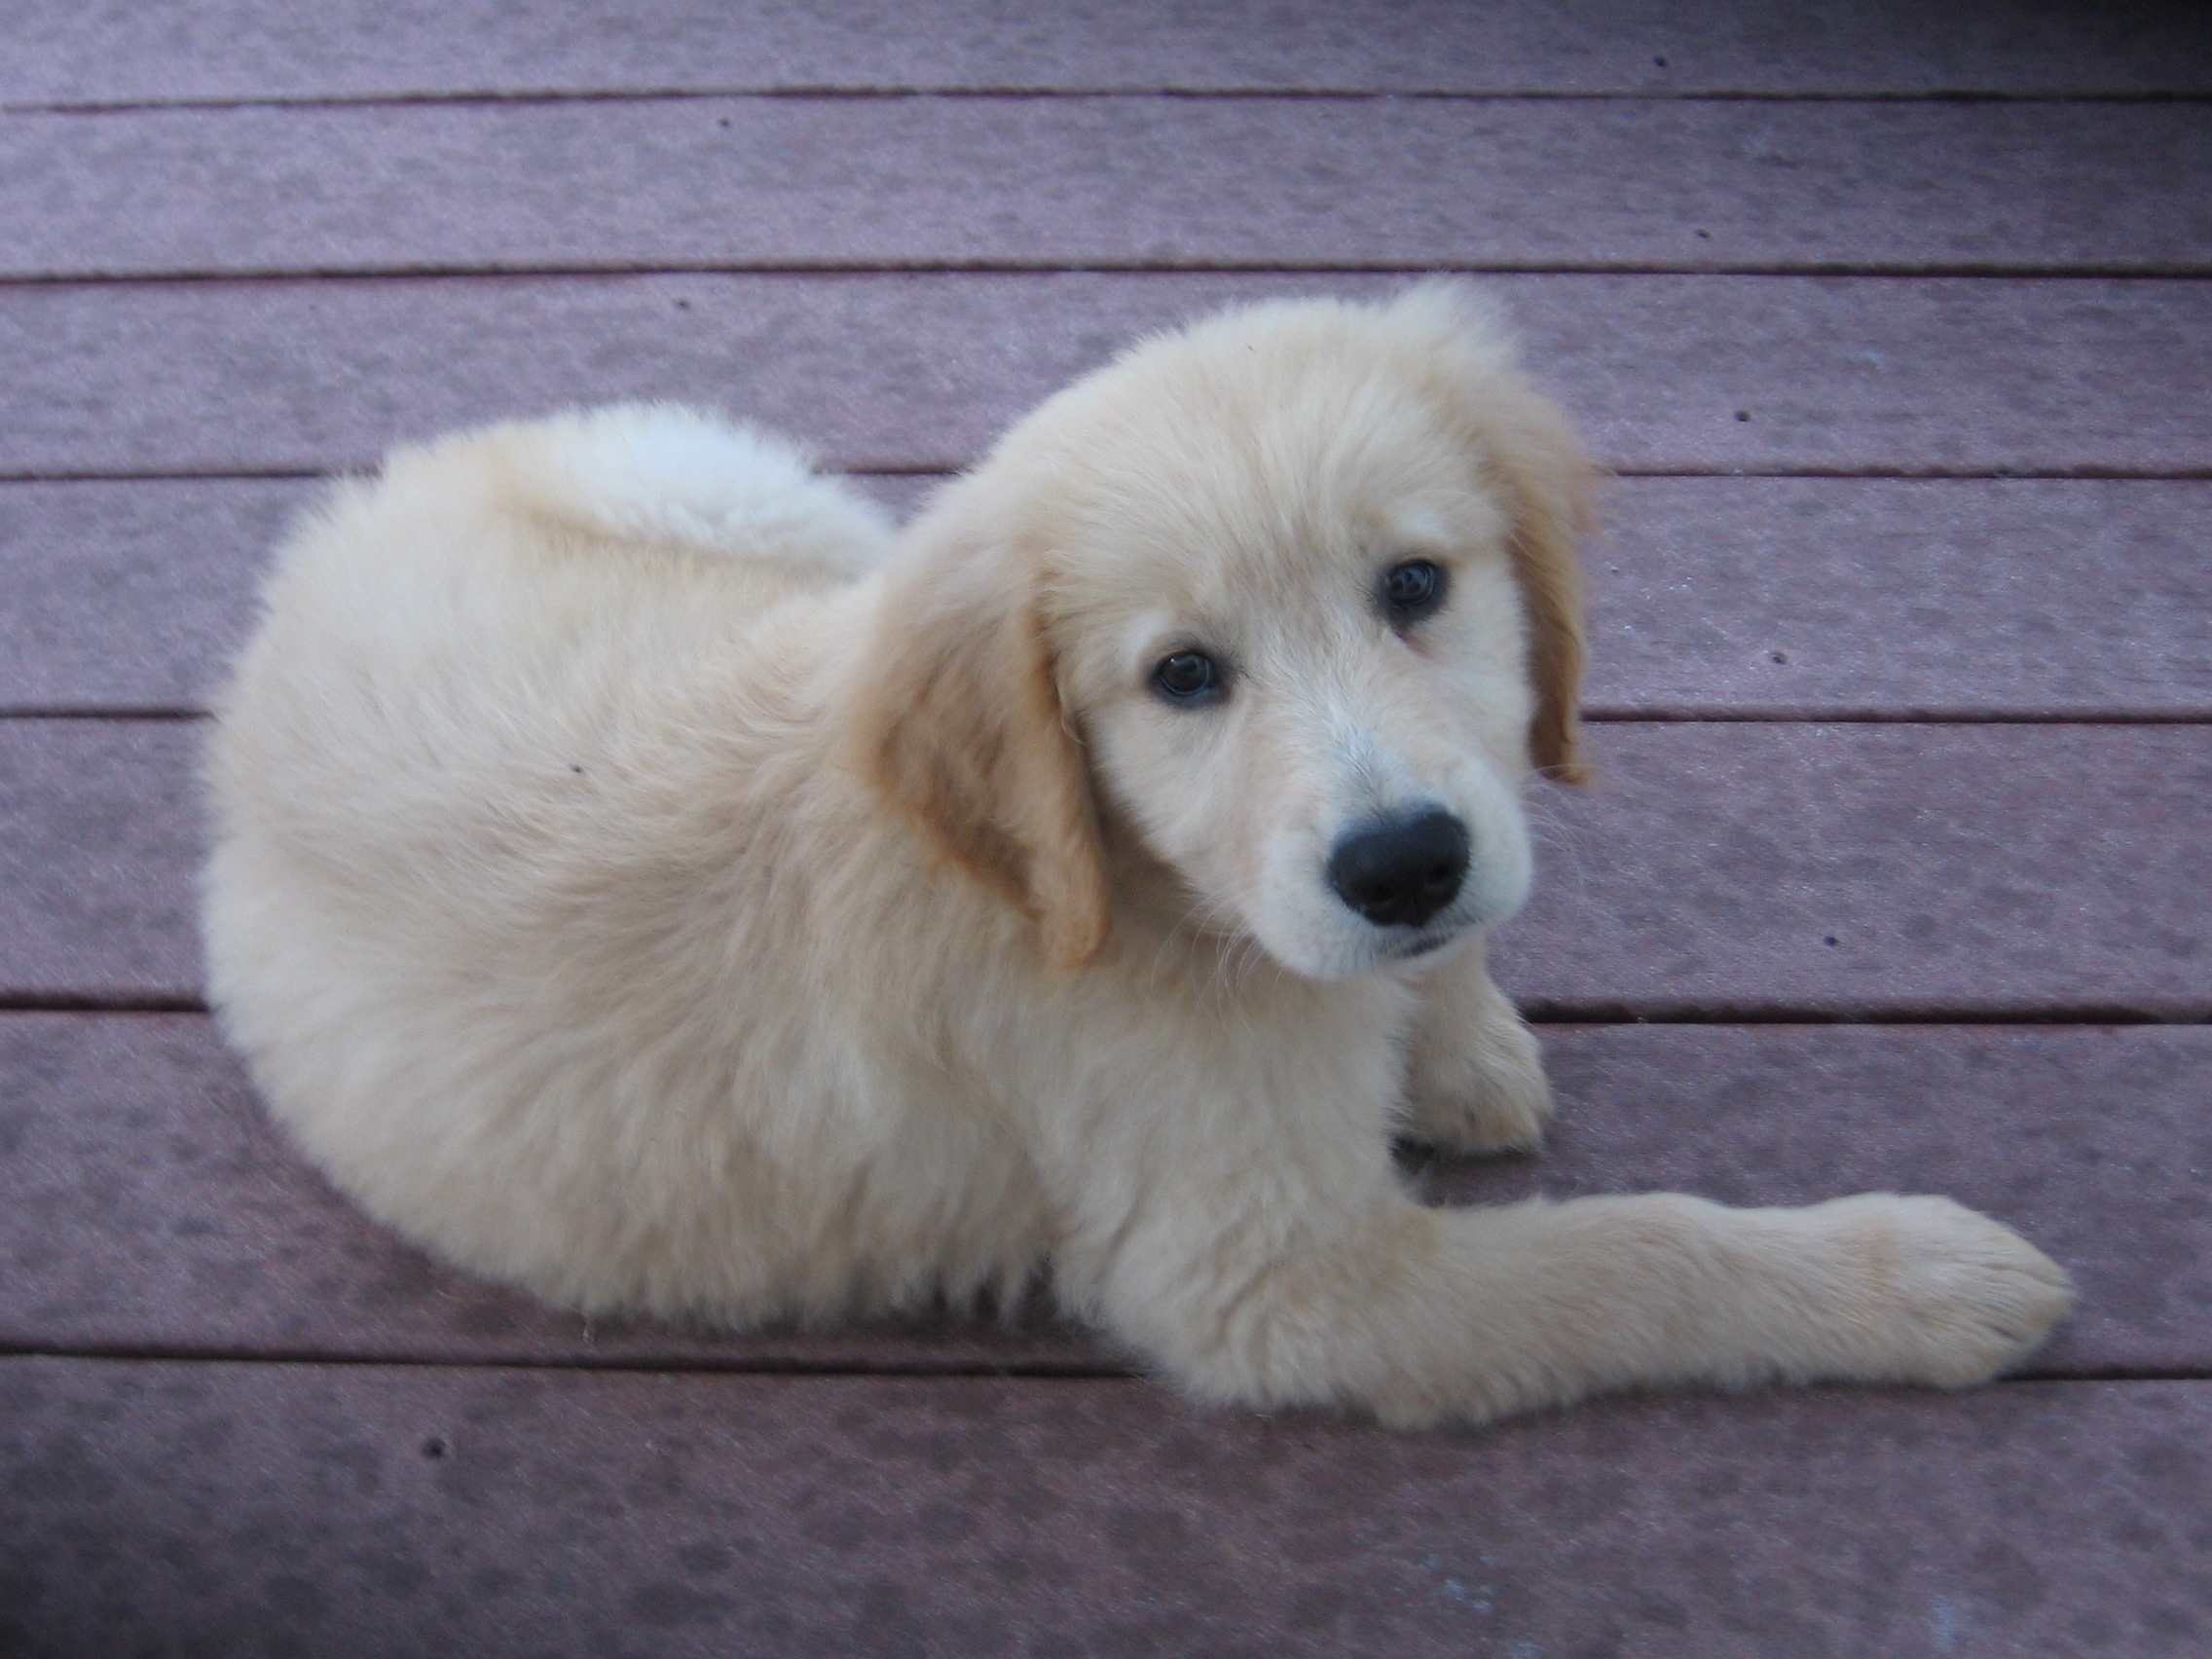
(959, 723)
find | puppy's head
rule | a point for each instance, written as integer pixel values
(1288, 600)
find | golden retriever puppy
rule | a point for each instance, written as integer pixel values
(645, 879)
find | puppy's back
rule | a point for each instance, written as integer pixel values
(445, 649)
(476, 781)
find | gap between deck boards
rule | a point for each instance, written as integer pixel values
(1042, 1369)
(1968, 270)
(2088, 473)
(1536, 1012)
(1795, 713)
(833, 92)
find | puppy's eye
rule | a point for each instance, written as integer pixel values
(1414, 590)
(1189, 676)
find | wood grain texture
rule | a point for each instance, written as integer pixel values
(897, 372)
(1118, 182)
(100, 840)
(1866, 870)
(111, 49)
(148, 1207)
(132, 595)
(2010, 870)
(1952, 597)
(1966, 596)
(378, 1511)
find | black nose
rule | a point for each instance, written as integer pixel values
(1401, 873)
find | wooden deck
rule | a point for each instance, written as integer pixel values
(1894, 320)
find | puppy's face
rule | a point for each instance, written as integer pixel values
(1302, 589)
(1289, 629)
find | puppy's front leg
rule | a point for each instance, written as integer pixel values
(1474, 1076)
(1272, 1292)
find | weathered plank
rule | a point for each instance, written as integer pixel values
(147, 1206)
(131, 595)
(2021, 597)
(1842, 870)
(99, 836)
(895, 372)
(258, 49)
(367, 1510)
(1866, 870)
(1810, 596)
(1291, 183)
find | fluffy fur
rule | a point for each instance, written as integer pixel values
(645, 879)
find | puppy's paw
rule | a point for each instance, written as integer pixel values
(1478, 1088)
(1955, 1297)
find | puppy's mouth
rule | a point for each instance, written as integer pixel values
(1427, 941)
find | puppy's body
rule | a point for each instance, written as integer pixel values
(641, 882)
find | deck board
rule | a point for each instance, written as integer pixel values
(907, 371)
(298, 1509)
(1990, 869)
(1286, 183)
(226, 50)
(2065, 599)
(147, 1205)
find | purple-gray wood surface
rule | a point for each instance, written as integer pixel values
(354, 1510)
(905, 371)
(226, 51)
(1130, 182)
(1898, 317)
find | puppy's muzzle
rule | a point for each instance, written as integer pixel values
(1404, 870)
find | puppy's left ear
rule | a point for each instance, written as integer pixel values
(959, 725)
(1549, 483)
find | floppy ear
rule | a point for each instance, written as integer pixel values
(959, 725)
(1549, 483)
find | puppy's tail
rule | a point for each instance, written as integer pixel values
(663, 474)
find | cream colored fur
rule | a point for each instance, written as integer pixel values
(644, 878)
